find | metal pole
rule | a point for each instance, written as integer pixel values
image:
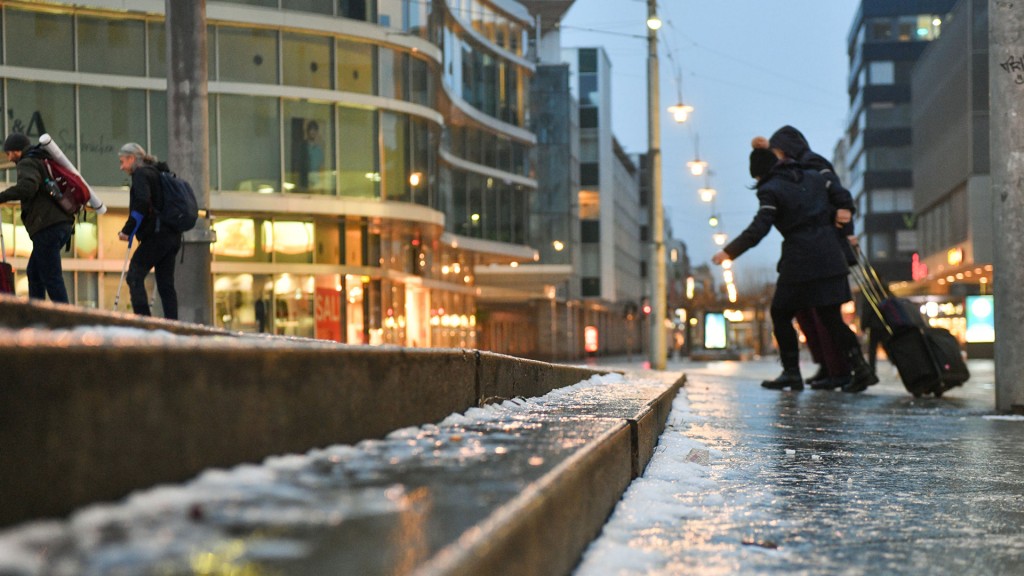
(657, 266)
(1006, 143)
(189, 148)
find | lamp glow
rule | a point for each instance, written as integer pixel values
(654, 23)
(707, 194)
(719, 238)
(697, 167)
(680, 112)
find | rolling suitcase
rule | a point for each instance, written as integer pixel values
(928, 359)
(6, 270)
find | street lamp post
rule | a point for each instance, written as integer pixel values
(657, 349)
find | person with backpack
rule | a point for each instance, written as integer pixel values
(48, 226)
(158, 245)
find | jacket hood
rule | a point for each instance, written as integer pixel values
(790, 141)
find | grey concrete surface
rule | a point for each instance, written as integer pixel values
(92, 413)
(822, 483)
(516, 488)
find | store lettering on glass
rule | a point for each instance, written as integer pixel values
(35, 124)
(36, 128)
(1014, 65)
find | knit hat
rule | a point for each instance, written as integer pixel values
(762, 160)
(132, 149)
(16, 141)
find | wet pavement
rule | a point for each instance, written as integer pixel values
(382, 506)
(818, 482)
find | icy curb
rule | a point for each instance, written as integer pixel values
(270, 513)
(653, 501)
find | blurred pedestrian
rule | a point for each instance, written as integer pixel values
(812, 269)
(158, 245)
(48, 226)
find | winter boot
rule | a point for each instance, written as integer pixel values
(790, 378)
(863, 375)
(831, 383)
(820, 376)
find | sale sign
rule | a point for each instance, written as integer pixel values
(327, 314)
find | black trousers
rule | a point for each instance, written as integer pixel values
(789, 346)
(157, 252)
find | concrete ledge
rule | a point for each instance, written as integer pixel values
(82, 423)
(547, 528)
(17, 312)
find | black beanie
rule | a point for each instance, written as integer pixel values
(16, 141)
(762, 160)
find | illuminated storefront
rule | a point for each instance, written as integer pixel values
(346, 161)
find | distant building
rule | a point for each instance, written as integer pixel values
(885, 40)
(952, 187)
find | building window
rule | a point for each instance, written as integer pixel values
(111, 46)
(251, 137)
(879, 29)
(590, 174)
(880, 245)
(357, 153)
(906, 241)
(35, 108)
(590, 231)
(356, 67)
(307, 61)
(392, 67)
(590, 287)
(27, 33)
(309, 148)
(588, 117)
(356, 9)
(318, 6)
(395, 136)
(109, 117)
(247, 55)
(882, 73)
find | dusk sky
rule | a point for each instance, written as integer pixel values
(747, 67)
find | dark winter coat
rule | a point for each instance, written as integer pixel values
(38, 210)
(145, 198)
(800, 205)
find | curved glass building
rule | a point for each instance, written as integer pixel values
(365, 155)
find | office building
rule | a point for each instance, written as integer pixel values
(886, 39)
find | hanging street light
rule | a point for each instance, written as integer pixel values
(680, 112)
(719, 238)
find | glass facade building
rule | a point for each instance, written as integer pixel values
(369, 153)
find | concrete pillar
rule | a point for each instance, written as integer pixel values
(1006, 89)
(189, 149)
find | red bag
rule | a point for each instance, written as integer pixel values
(66, 188)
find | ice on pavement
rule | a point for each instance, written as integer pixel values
(676, 486)
(318, 489)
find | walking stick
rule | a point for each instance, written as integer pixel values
(124, 268)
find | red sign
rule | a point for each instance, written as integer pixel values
(327, 314)
(590, 339)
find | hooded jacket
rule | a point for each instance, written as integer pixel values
(145, 199)
(38, 210)
(797, 202)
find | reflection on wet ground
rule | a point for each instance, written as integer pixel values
(833, 483)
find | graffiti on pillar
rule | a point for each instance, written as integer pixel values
(1014, 65)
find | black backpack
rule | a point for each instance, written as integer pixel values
(180, 209)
